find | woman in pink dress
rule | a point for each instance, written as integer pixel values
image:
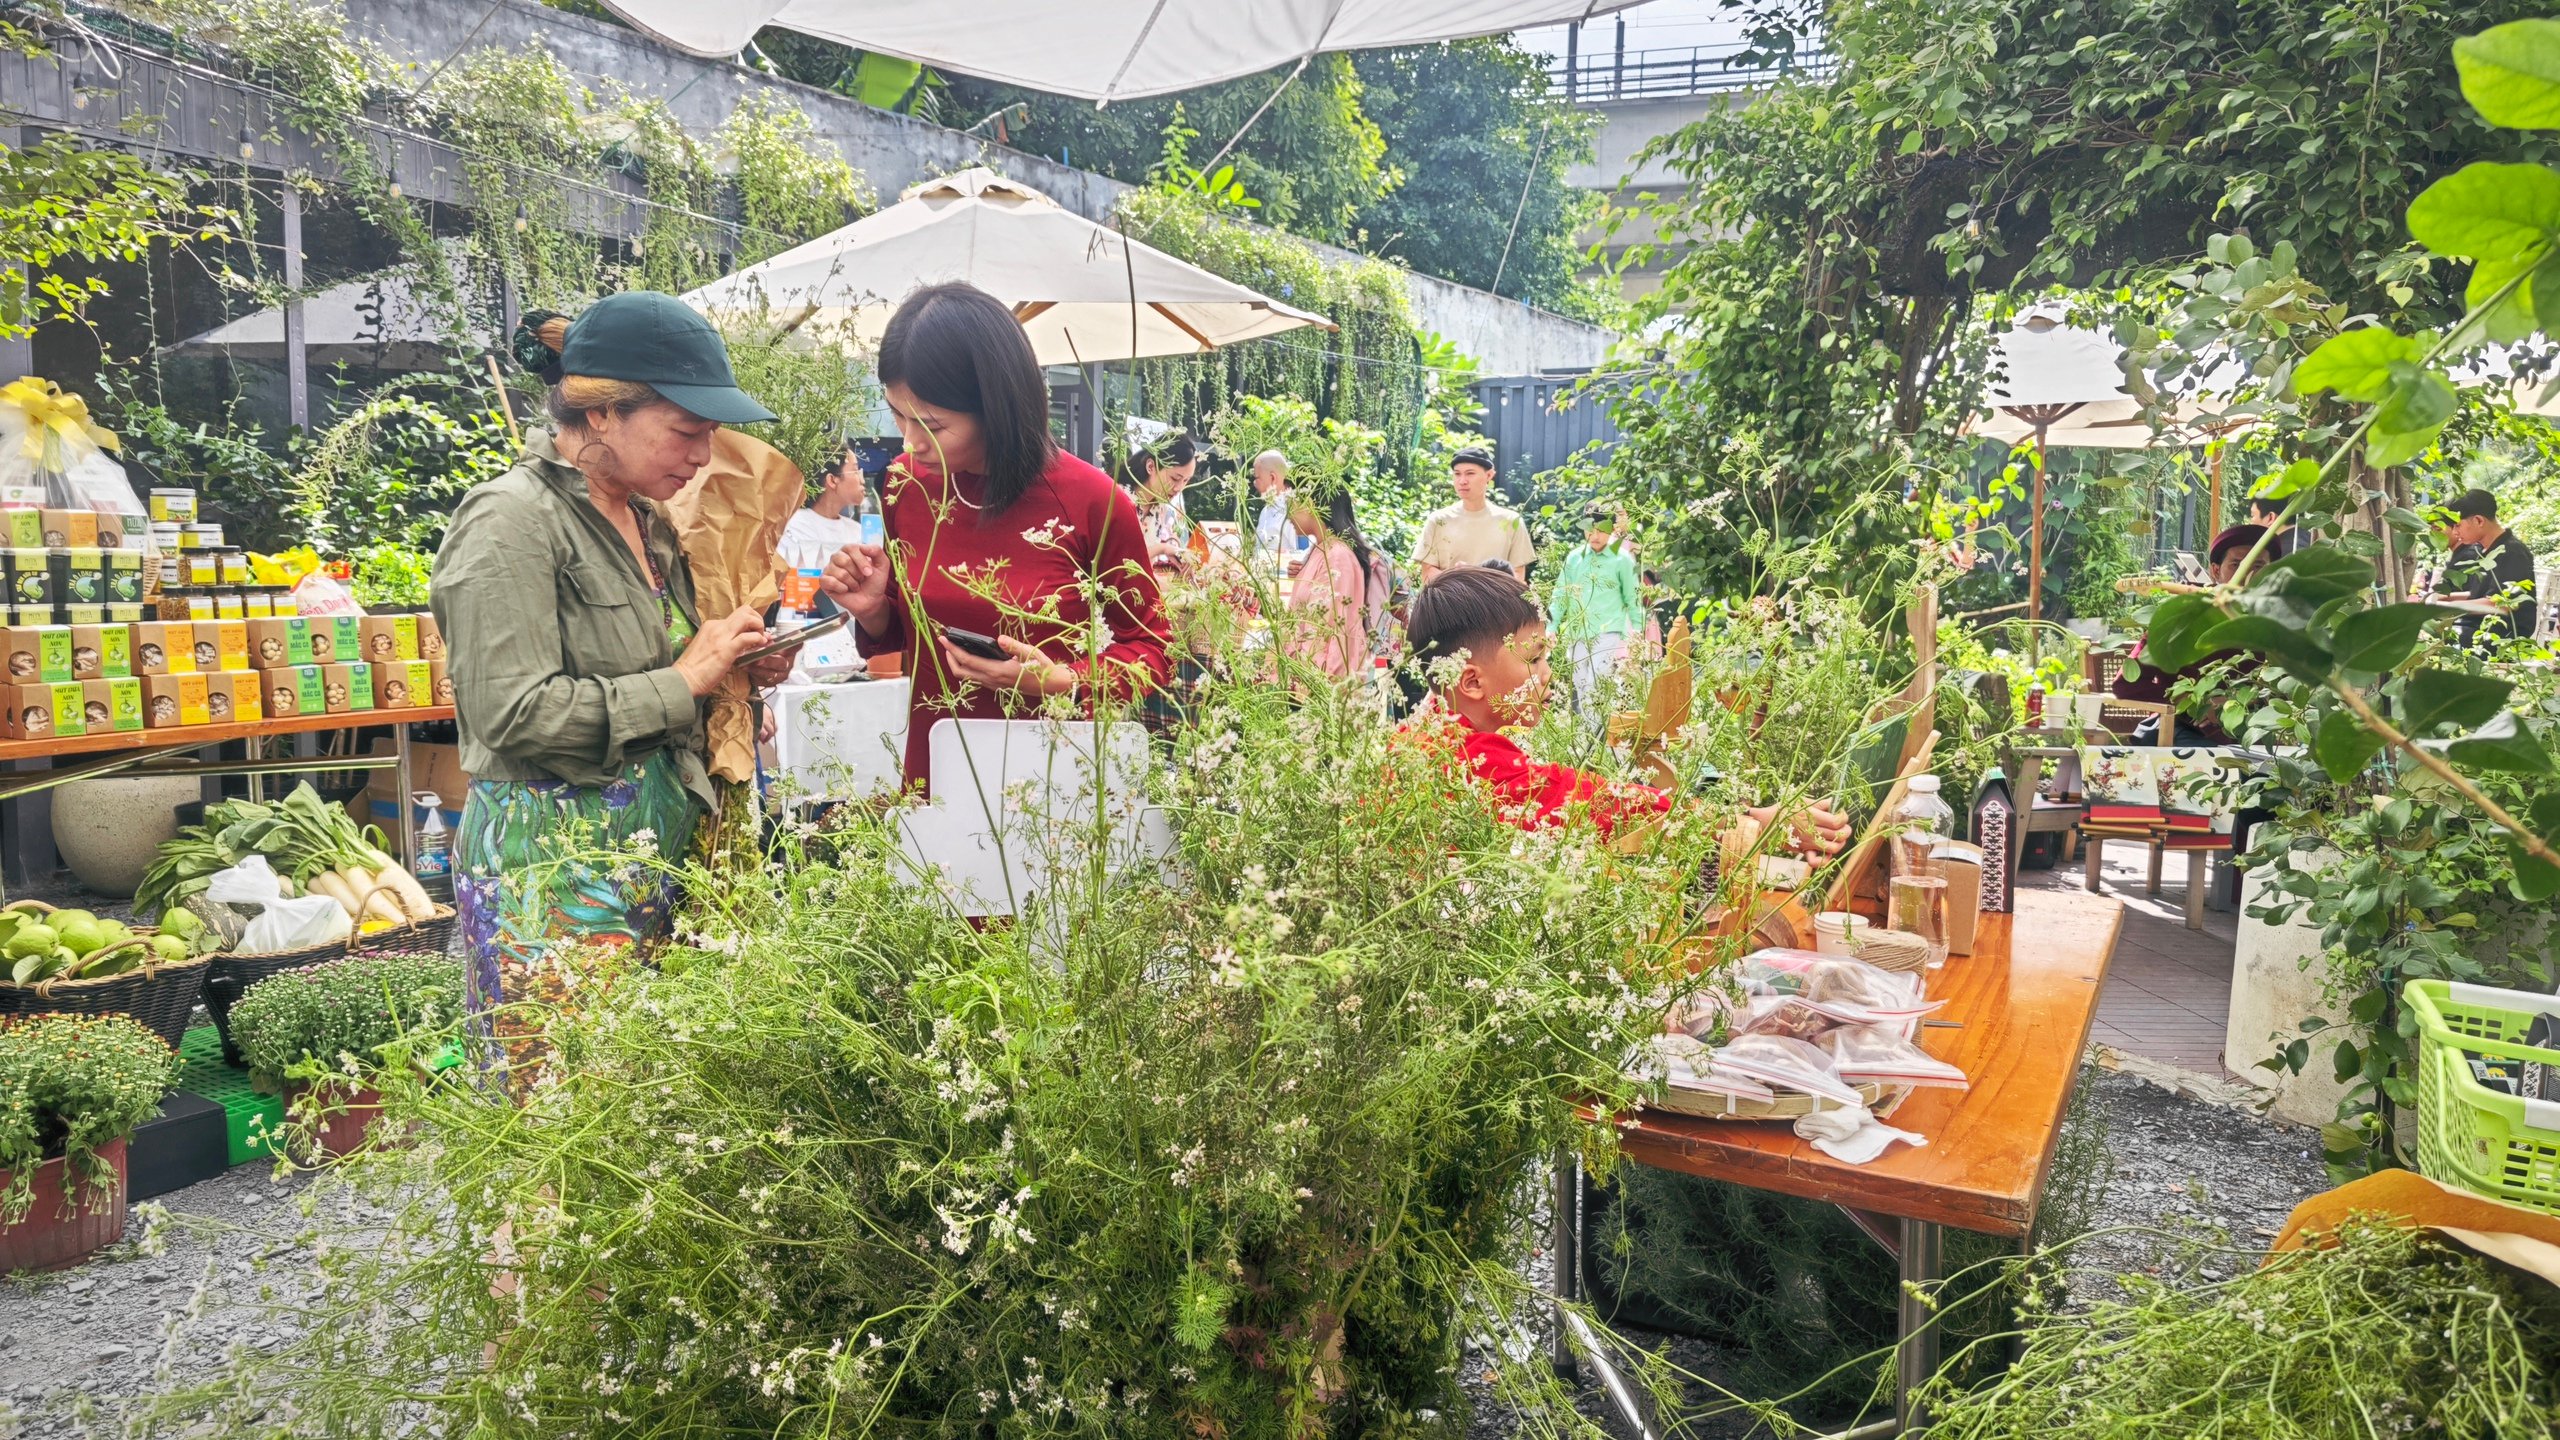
(1328, 602)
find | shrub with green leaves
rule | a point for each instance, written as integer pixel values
(340, 1015)
(69, 1084)
(1243, 1145)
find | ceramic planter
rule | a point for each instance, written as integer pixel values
(45, 1240)
(347, 1122)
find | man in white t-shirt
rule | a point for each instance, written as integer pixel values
(1474, 530)
(1274, 538)
(834, 517)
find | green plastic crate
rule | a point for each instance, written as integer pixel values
(202, 1069)
(2502, 1146)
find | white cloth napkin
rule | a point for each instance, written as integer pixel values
(1852, 1135)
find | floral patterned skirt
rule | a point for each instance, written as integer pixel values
(549, 916)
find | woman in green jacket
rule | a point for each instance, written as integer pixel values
(579, 662)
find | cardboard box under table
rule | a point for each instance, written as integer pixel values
(2021, 1005)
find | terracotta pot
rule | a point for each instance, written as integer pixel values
(45, 1240)
(346, 1121)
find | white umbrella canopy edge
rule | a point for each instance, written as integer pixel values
(1100, 50)
(1069, 280)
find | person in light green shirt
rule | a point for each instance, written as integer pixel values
(1597, 608)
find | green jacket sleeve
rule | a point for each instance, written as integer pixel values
(1634, 593)
(498, 593)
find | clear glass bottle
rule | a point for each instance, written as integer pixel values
(1919, 825)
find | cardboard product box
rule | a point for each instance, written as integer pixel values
(42, 712)
(388, 638)
(404, 685)
(71, 529)
(336, 639)
(80, 576)
(295, 690)
(430, 639)
(433, 770)
(164, 647)
(173, 700)
(230, 644)
(122, 532)
(124, 577)
(114, 704)
(276, 642)
(31, 580)
(36, 654)
(101, 652)
(439, 683)
(362, 688)
(1960, 865)
(236, 697)
(22, 528)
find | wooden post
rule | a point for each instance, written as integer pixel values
(297, 364)
(2035, 561)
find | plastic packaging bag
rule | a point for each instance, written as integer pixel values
(1684, 1064)
(1784, 1064)
(1792, 1016)
(281, 924)
(318, 596)
(1852, 992)
(1865, 1053)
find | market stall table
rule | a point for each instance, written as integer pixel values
(154, 752)
(2016, 1019)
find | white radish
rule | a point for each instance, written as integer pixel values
(412, 895)
(376, 898)
(333, 885)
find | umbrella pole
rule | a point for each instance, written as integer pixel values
(2035, 560)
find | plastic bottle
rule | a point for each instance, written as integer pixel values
(434, 841)
(1923, 820)
(2035, 704)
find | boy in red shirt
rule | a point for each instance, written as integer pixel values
(1483, 646)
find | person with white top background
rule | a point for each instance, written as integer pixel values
(833, 517)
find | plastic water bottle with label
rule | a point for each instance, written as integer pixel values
(434, 841)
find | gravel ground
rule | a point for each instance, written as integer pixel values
(73, 1346)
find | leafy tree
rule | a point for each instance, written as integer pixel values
(1314, 161)
(60, 202)
(1476, 137)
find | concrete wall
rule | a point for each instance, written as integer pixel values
(895, 151)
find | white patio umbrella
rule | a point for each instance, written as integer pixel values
(1083, 292)
(391, 321)
(1101, 50)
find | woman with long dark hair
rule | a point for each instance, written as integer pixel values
(1155, 475)
(1329, 600)
(990, 528)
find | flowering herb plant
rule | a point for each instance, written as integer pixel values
(336, 1018)
(68, 1085)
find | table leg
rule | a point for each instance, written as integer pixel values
(2095, 847)
(1924, 1264)
(1564, 1248)
(408, 844)
(2197, 871)
(2151, 883)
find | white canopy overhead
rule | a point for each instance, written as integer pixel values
(1099, 49)
(390, 321)
(1070, 282)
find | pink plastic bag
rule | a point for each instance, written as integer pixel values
(319, 596)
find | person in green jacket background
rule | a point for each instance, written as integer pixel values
(1597, 608)
(579, 662)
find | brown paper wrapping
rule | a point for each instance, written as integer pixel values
(730, 520)
(2529, 1240)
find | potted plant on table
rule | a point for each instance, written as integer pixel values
(321, 1034)
(72, 1089)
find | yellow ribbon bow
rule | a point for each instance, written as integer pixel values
(54, 417)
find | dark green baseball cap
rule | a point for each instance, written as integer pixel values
(664, 343)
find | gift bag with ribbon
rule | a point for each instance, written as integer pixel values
(53, 456)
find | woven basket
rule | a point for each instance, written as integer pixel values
(424, 937)
(228, 977)
(1882, 1099)
(161, 997)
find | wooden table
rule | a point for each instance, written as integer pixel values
(2023, 1002)
(154, 752)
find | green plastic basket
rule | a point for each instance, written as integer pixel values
(247, 1116)
(2503, 1146)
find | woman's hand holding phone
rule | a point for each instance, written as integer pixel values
(1022, 668)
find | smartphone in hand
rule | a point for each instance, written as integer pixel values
(982, 646)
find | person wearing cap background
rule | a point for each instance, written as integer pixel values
(1597, 606)
(1474, 530)
(2202, 727)
(578, 660)
(2494, 580)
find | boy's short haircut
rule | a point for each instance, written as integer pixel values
(1467, 610)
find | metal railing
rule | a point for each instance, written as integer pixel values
(1601, 75)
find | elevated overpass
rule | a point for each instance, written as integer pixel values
(1645, 94)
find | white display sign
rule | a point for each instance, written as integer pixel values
(1016, 800)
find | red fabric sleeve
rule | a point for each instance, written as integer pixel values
(1135, 662)
(1534, 794)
